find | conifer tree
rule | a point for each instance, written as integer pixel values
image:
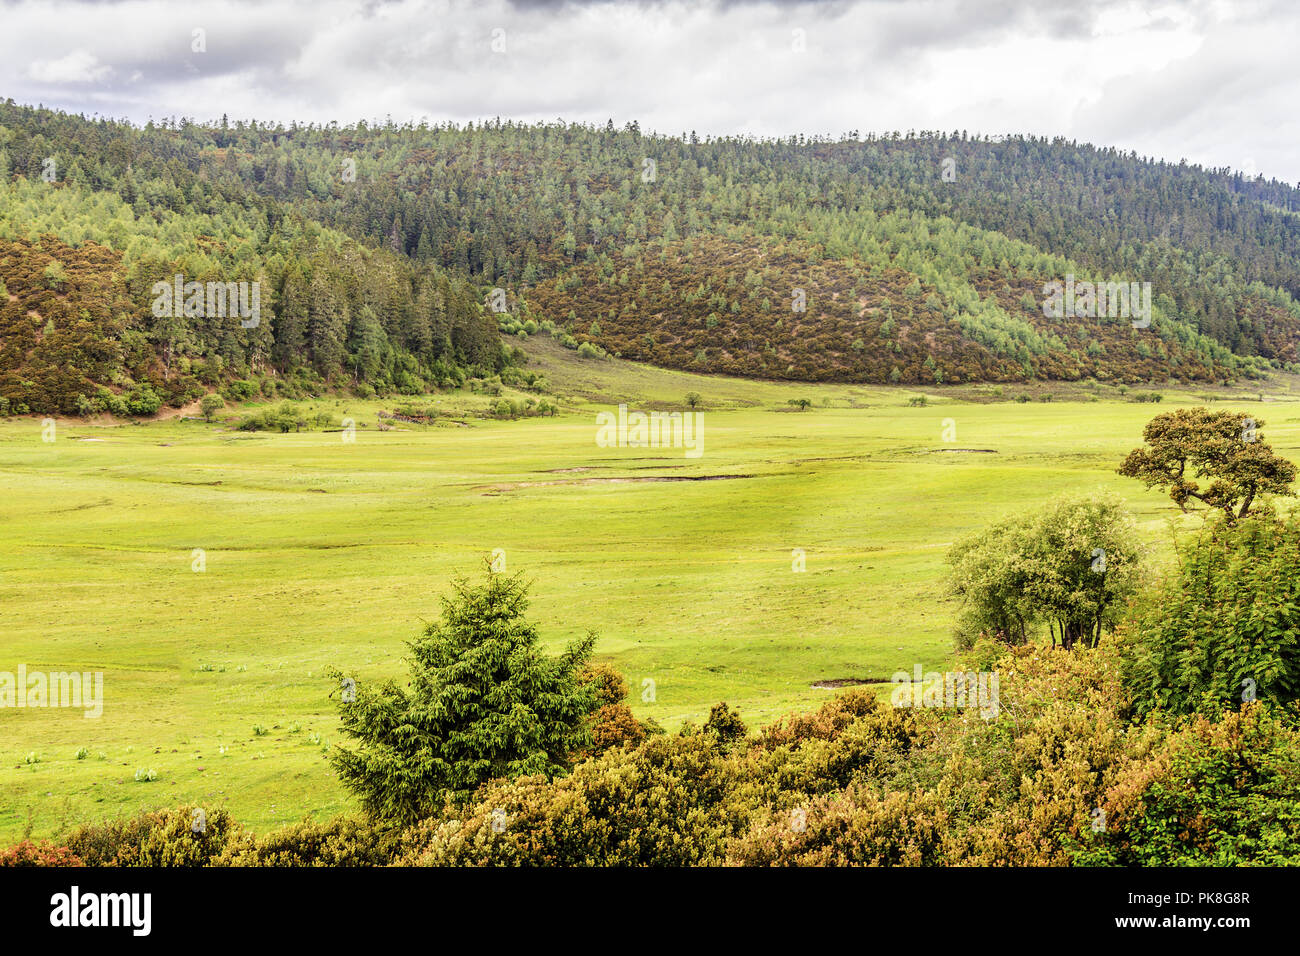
(483, 702)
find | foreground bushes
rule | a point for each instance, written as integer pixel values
(178, 837)
(193, 837)
(1059, 777)
(1222, 793)
(343, 841)
(1062, 775)
(666, 803)
(44, 853)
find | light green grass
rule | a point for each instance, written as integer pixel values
(325, 553)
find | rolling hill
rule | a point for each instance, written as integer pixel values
(918, 258)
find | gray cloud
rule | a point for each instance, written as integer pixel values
(1197, 79)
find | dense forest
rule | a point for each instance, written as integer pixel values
(911, 258)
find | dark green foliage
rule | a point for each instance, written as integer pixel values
(483, 702)
(725, 724)
(376, 281)
(1224, 626)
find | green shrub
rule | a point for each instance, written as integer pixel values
(1224, 626)
(484, 702)
(142, 401)
(242, 389)
(346, 840)
(725, 724)
(1219, 793)
(286, 418)
(176, 837)
(209, 405)
(1070, 564)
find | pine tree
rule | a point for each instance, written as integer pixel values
(483, 703)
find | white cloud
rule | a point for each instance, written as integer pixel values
(79, 66)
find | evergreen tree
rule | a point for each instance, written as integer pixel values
(483, 702)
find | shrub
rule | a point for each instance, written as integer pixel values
(853, 827)
(242, 389)
(1219, 793)
(825, 723)
(286, 418)
(209, 405)
(663, 804)
(614, 725)
(346, 840)
(155, 838)
(143, 401)
(725, 724)
(1224, 627)
(44, 853)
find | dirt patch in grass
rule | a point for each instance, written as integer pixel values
(516, 485)
(838, 682)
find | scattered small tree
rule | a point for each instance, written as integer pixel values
(800, 403)
(1222, 446)
(693, 399)
(209, 405)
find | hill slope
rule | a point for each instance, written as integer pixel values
(918, 258)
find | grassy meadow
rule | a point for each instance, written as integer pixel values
(321, 553)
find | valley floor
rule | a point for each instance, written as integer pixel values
(214, 575)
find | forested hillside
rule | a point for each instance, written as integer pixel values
(917, 258)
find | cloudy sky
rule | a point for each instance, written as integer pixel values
(1211, 81)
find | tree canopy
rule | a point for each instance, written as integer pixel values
(1223, 628)
(483, 702)
(1068, 564)
(1225, 447)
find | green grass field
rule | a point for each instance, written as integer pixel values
(320, 552)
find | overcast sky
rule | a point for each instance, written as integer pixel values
(1214, 82)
